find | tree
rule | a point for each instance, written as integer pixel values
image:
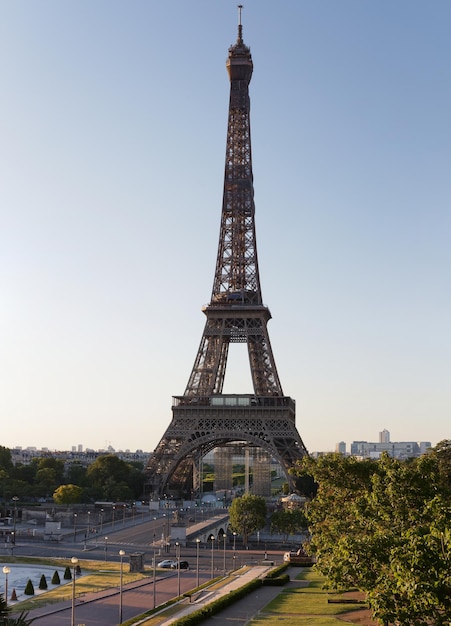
(3, 608)
(108, 477)
(43, 582)
(383, 527)
(6, 462)
(68, 494)
(288, 522)
(29, 588)
(247, 515)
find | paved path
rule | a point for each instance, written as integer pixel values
(206, 596)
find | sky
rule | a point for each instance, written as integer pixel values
(113, 120)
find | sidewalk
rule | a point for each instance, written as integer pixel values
(206, 596)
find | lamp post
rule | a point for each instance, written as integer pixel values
(74, 562)
(212, 539)
(75, 527)
(123, 516)
(101, 520)
(6, 571)
(15, 500)
(121, 554)
(177, 556)
(224, 537)
(234, 550)
(106, 547)
(154, 575)
(114, 511)
(197, 561)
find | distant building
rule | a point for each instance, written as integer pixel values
(384, 436)
(397, 450)
(25, 456)
(340, 448)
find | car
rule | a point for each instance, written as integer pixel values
(183, 565)
(167, 564)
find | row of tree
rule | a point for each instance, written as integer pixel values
(384, 527)
(107, 478)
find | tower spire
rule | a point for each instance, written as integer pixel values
(240, 26)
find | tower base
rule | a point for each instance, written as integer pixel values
(201, 424)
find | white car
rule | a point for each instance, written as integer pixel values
(167, 564)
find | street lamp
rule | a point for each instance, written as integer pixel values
(197, 561)
(177, 556)
(6, 571)
(224, 536)
(114, 510)
(212, 539)
(75, 527)
(101, 520)
(234, 549)
(74, 562)
(121, 554)
(15, 500)
(106, 546)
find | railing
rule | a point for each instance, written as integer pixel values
(235, 400)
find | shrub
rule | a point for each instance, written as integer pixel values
(56, 578)
(276, 582)
(67, 573)
(29, 589)
(43, 582)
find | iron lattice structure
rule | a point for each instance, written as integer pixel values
(204, 418)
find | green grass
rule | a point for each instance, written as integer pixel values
(307, 605)
(96, 576)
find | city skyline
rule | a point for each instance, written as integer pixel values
(113, 144)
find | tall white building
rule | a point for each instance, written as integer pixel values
(384, 436)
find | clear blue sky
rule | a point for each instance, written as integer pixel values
(112, 142)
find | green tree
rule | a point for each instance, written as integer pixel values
(76, 474)
(43, 582)
(56, 578)
(6, 462)
(3, 608)
(108, 477)
(383, 527)
(68, 494)
(46, 482)
(288, 522)
(29, 588)
(247, 515)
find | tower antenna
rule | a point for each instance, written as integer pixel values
(240, 26)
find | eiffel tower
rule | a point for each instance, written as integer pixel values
(204, 418)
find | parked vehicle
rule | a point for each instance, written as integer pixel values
(183, 565)
(298, 557)
(167, 564)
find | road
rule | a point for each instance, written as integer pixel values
(102, 609)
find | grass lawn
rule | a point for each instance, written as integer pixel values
(308, 604)
(96, 576)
